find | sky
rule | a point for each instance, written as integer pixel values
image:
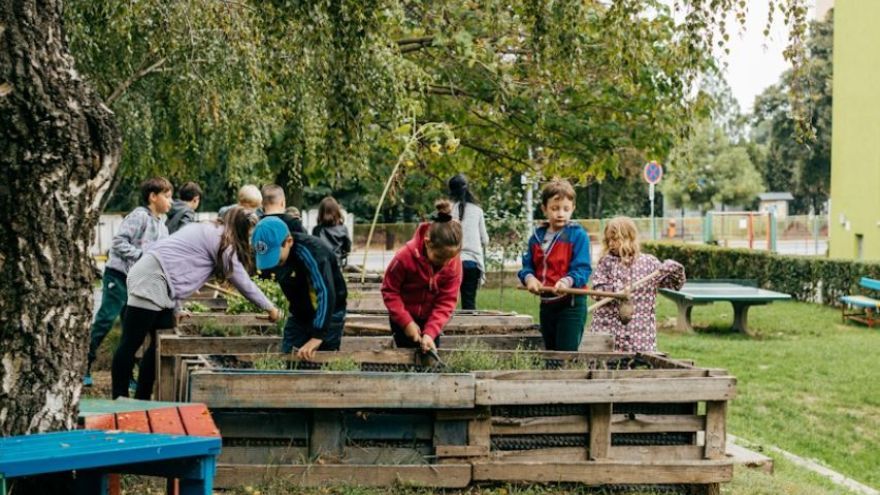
(755, 61)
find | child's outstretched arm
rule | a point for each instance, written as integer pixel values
(528, 264)
(673, 276)
(444, 303)
(392, 281)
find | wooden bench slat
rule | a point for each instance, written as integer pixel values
(197, 421)
(133, 421)
(166, 420)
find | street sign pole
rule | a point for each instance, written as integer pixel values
(652, 174)
(651, 198)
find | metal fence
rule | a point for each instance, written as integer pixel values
(794, 234)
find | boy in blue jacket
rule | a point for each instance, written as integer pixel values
(558, 256)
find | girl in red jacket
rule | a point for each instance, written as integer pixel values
(420, 287)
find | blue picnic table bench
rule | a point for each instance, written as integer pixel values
(95, 453)
(742, 294)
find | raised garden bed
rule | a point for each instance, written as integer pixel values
(592, 418)
(173, 348)
(372, 323)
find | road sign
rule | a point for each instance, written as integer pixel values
(652, 173)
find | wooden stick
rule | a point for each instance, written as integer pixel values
(636, 285)
(221, 290)
(582, 292)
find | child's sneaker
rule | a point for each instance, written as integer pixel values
(87, 380)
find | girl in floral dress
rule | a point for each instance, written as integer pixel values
(620, 265)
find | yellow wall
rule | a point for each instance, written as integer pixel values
(855, 142)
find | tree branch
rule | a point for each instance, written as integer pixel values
(134, 78)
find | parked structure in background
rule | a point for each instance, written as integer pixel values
(855, 150)
(776, 202)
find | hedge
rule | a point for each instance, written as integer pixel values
(806, 278)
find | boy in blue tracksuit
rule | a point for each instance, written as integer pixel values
(306, 269)
(558, 256)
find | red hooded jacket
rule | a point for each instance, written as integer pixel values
(414, 291)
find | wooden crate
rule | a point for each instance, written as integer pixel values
(660, 423)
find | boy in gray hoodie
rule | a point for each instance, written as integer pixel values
(140, 228)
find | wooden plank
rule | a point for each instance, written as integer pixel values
(100, 422)
(278, 424)
(597, 342)
(263, 454)
(133, 421)
(551, 455)
(329, 390)
(600, 430)
(540, 425)
(165, 379)
(326, 436)
(435, 475)
(716, 430)
(385, 455)
(605, 472)
(656, 453)
(480, 428)
(166, 420)
(656, 423)
(654, 373)
(462, 450)
(197, 421)
(498, 392)
(454, 432)
(533, 375)
(369, 425)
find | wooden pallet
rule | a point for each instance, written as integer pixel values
(664, 425)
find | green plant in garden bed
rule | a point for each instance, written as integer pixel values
(196, 307)
(237, 304)
(341, 364)
(270, 362)
(211, 329)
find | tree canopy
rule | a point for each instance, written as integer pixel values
(311, 93)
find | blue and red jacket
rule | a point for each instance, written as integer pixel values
(568, 255)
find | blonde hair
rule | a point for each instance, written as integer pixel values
(249, 197)
(621, 239)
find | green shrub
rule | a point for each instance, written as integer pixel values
(806, 278)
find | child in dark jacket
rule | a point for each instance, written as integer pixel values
(558, 256)
(331, 228)
(420, 287)
(308, 274)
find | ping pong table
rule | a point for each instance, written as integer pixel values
(742, 294)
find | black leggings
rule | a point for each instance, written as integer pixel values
(136, 325)
(470, 282)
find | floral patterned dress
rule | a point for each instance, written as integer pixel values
(611, 274)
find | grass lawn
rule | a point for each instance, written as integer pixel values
(805, 383)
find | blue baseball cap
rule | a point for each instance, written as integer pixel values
(268, 236)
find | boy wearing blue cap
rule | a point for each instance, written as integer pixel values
(308, 273)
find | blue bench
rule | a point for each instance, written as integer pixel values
(865, 307)
(93, 454)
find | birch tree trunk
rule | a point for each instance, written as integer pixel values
(59, 151)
